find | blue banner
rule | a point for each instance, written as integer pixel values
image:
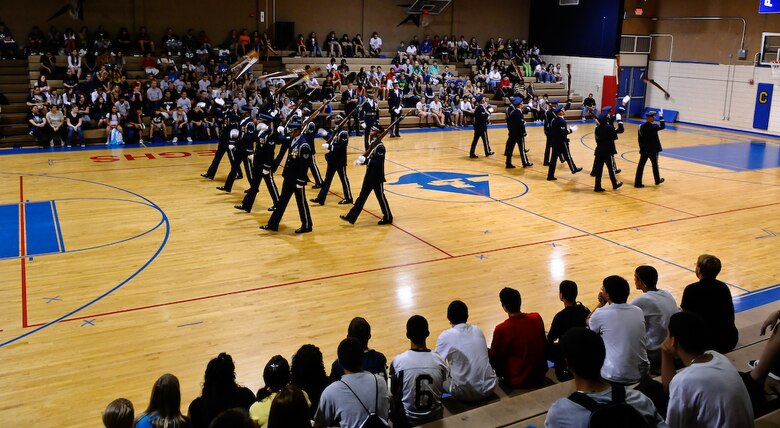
(763, 104)
(769, 6)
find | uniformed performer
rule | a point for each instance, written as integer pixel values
(611, 119)
(394, 100)
(370, 115)
(481, 116)
(549, 117)
(309, 134)
(349, 99)
(263, 163)
(295, 179)
(336, 157)
(229, 121)
(606, 134)
(374, 179)
(649, 147)
(515, 121)
(559, 143)
(242, 148)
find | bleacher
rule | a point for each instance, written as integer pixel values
(523, 409)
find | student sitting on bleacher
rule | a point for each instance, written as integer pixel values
(711, 299)
(658, 306)
(622, 326)
(585, 353)
(373, 361)
(464, 348)
(517, 349)
(709, 391)
(572, 315)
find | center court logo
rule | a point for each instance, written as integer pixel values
(457, 187)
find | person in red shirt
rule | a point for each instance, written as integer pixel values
(517, 352)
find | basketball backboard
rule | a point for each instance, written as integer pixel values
(431, 7)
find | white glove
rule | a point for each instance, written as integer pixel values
(231, 147)
(299, 186)
(661, 113)
(490, 110)
(325, 146)
(322, 132)
(280, 129)
(362, 125)
(262, 127)
(574, 128)
(618, 117)
(359, 160)
(626, 99)
(398, 110)
(266, 172)
(251, 157)
(274, 113)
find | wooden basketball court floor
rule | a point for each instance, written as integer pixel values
(121, 265)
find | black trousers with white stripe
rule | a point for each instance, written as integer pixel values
(365, 191)
(235, 169)
(254, 188)
(564, 153)
(315, 171)
(329, 173)
(483, 134)
(222, 149)
(288, 189)
(510, 147)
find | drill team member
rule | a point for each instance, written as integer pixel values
(337, 163)
(559, 143)
(606, 134)
(649, 147)
(263, 164)
(481, 116)
(515, 121)
(373, 180)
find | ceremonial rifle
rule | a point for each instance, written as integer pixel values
(379, 137)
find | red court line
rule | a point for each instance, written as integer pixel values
(23, 251)
(346, 274)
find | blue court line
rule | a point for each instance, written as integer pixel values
(9, 230)
(585, 232)
(39, 224)
(754, 299)
(58, 226)
(118, 286)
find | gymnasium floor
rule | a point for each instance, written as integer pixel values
(117, 266)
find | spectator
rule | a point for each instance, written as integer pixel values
(134, 126)
(232, 418)
(290, 409)
(573, 314)
(119, 414)
(313, 45)
(276, 376)
(164, 406)
(38, 127)
(75, 126)
(357, 395)
(517, 349)
(375, 44)
(464, 349)
(300, 46)
(589, 107)
(48, 65)
(179, 124)
(657, 306)
(373, 361)
(622, 326)
(7, 43)
(57, 128)
(709, 391)
(220, 392)
(711, 300)
(123, 42)
(145, 42)
(333, 44)
(418, 377)
(584, 353)
(307, 372)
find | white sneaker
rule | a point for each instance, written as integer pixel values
(189, 139)
(175, 139)
(754, 363)
(51, 142)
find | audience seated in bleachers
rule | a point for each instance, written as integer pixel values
(220, 392)
(573, 314)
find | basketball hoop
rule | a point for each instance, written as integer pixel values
(775, 64)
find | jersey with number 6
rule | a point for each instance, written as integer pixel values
(419, 376)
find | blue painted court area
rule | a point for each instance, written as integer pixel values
(742, 156)
(9, 231)
(42, 229)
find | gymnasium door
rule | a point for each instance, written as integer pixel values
(631, 83)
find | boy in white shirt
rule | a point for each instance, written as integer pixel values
(422, 113)
(375, 44)
(709, 391)
(435, 108)
(465, 350)
(622, 326)
(417, 378)
(658, 306)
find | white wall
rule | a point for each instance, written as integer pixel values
(587, 74)
(699, 92)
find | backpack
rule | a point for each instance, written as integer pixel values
(615, 414)
(372, 420)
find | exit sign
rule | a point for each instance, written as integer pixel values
(769, 6)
